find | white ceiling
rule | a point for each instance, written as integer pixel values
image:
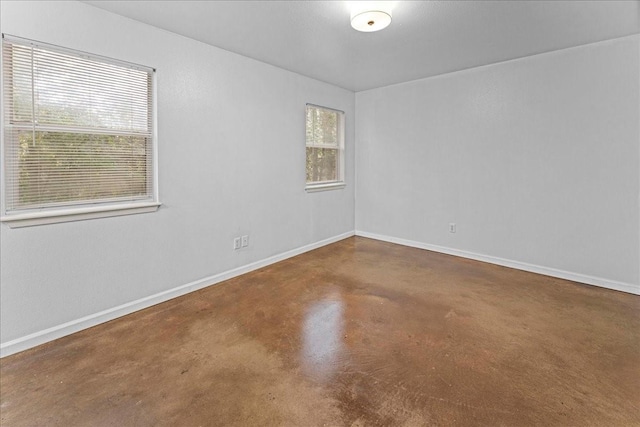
(425, 38)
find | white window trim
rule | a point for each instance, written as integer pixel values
(324, 186)
(79, 213)
(313, 187)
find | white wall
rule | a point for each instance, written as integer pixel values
(231, 162)
(536, 160)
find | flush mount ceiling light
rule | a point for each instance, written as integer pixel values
(371, 20)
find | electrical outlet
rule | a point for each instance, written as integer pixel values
(452, 227)
(236, 243)
(245, 241)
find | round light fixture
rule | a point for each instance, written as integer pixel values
(371, 20)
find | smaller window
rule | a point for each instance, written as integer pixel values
(325, 148)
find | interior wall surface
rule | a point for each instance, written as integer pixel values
(535, 161)
(231, 150)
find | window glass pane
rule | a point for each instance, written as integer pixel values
(309, 125)
(56, 167)
(322, 164)
(322, 127)
(75, 91)
(18, 86)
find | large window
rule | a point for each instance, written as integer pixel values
(325, 148)
(78, 135)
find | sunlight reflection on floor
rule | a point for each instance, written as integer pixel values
(322, 332)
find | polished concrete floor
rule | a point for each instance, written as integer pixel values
(358, 333)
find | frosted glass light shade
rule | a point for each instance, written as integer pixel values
(371, 20)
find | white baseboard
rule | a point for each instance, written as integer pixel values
(561, 274)
(59, 331)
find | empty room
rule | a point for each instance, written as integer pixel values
(320, 213)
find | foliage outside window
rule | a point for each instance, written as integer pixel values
(325, 146)
(78, 130)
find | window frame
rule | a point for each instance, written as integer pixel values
(76, 211)
(340, 182)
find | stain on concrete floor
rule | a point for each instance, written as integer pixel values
(357, 333)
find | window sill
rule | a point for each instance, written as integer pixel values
(77, 214)
(312, 188)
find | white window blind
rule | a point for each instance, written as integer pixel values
(324, 145)
(78, 129)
